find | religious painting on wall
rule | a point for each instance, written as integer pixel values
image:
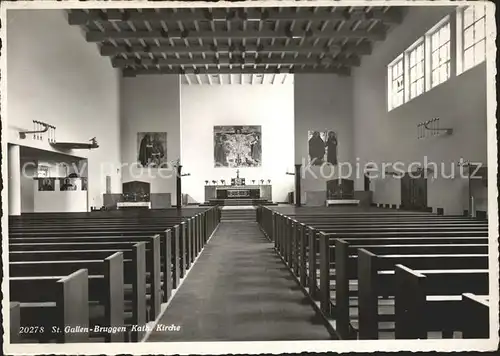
(152, 149)
(67, 184)
(322, 147)
(237, 146)
(46, 184)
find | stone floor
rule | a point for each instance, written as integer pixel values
(239, 290)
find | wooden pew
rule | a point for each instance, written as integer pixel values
(376, 278)
(432, 300)
(134, 274)
(341, 224)
(201, 226)
(59, 305)
(85, 248)
(106, 287)
(293, 234)
(345, 271)
(196, 231)
(280, 230)
(476, 316)
(187, 248)
(109, 218)
(15, 322)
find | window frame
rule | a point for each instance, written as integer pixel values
(435, 30)
(408, 68)
(461, 30)
(391, 94)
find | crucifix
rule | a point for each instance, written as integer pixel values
(237, 174)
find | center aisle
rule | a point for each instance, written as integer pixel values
(239, 290)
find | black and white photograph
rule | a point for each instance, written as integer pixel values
(330, 184)
(237, 146)
(152, 149)
(322, 147)
(46, 184)
(66, 184)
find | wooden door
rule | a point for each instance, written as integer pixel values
(413, 192)
(367, 183)
(405, 192)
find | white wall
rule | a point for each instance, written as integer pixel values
(57, 201)
(150, 104)
(59, 166)
(205, 106)
(383, 136)
(55, 76)
(322, 102)
(27, 186)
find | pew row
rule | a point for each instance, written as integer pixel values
(106, 287)
(165, 259)
(54, 308)
(423, 241)
(430, 300)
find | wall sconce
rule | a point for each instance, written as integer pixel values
(39, 128)
(393, 174)
(430, 128)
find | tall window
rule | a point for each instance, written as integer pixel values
(440, 54)
(474, 35)
(396, 83)
(416, 69)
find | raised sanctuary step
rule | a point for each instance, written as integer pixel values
(244, 214)
(238, 202)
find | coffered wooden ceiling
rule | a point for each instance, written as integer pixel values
(220, 45)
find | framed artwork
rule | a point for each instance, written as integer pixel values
(152, 149)
(237, 146)
(42, 171)
(46, 184)
(66, 184)
(322, 147)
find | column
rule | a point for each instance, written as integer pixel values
(14, 174)
(297, 185)
(179, 187)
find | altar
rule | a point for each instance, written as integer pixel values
(238, 190)
(263, 191)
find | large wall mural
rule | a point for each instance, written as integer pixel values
(237, 146)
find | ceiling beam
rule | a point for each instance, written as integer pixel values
(99, 36)
(344, 71)
(119, 62)
(110, 50)
(79, 17)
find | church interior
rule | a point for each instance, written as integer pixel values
(248, 173)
